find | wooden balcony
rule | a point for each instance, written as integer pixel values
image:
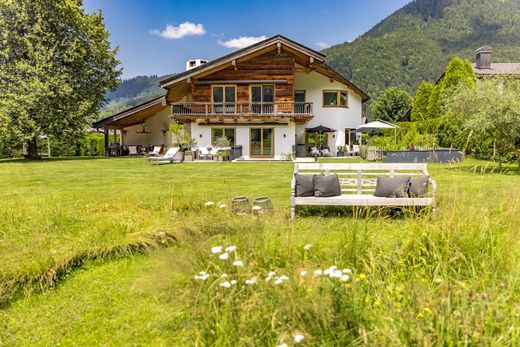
(299, 110)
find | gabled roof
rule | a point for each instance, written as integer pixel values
(242, 52)
(134, 115)
(315, 56)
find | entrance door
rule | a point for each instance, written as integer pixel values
(261, 142)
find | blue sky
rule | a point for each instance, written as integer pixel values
(156, 37)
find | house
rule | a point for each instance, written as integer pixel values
(264, 98)
(484, 67)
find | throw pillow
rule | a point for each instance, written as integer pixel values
(325, 186)
(392, 187)
(418, 187)
(304, 185)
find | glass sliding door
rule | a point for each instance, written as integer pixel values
(262, 142)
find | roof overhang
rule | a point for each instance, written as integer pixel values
(133, 116)
(180, 83)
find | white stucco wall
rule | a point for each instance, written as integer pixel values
(338, 118)
(154, 125)
(282, 145)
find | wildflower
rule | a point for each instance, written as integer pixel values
(376, 303)
(270, 275)
(420, 316)
(318, 273)
(330, 270)
(347, 271)
(225, 284)
(361, 277)
(222, 206)
(251, 281)
(209, 204)
(202, 276)
(256, 208)
(298, 338)
(282, 345)
(223, 256)
(303, 273)
(223, 276)
(336, 274)
(231, 248)
(438, 281)
(345, 278)
(307, 247)
(216, 249)
(280, 279)
(233, 282)
(428, 310)
(238, 263)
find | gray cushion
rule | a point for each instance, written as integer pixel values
(418, 187)
(304, 185)
(326, 185)
(392, 187)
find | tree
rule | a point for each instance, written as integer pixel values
(421, 101)
(491, 109)
(391, 105)
(56, 65)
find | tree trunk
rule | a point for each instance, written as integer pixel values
(32, 149)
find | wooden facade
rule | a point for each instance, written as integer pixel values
(269, 68)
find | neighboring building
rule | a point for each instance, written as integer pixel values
(262, 97)
(484, 67)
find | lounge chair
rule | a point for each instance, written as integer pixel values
(172, 155)
(155, 152)
(132, 150)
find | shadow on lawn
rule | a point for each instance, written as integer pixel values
(363, 212)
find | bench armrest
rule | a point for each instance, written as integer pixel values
(434, 187)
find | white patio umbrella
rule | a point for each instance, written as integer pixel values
(377, 125)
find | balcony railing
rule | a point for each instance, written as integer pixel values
(278, 109)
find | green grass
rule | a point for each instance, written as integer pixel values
(453, 280)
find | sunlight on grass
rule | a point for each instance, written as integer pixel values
(414, 280)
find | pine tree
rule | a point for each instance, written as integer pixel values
(421, 101)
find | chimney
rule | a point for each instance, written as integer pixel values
(483, 58)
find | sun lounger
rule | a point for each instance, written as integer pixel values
(172, 155)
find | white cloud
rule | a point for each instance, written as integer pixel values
(172, 32)
(242, 41)
(322, 45)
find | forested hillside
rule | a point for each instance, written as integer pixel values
(131, 92)
(416, 42)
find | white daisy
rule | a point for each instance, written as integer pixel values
(233, 282)
(347, 271)
(231, 248)
(307, 247)
(303, 273)
(222, 206)
(318, 272)
(345, 278)
(209, 203)
(223, 256)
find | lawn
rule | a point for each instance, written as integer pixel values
(104, 252)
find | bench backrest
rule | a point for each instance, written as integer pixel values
(361, 178)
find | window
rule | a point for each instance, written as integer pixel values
(219, 132)
(224, 98)
(335, 98)
(262, 98)
(299, 96)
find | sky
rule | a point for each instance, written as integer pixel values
(157, 37)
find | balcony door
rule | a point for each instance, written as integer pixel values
(261, 142)
(224, 99)
(262, 99)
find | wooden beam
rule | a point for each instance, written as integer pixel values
(106, 141)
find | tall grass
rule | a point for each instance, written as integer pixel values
(416, 280)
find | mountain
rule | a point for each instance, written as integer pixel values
(131, 92)
(416, 42)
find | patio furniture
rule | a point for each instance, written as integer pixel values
(325, 152)
(262, 206)
(240, 205)
(358, 183)
(132, 150)
(156, 151)
(172, 155)
(205, 153)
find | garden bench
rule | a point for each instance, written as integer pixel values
(358, 183)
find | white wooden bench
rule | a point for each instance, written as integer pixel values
(358, 184)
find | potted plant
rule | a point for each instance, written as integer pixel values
(183, 140)
(342, 150)
(223, 144)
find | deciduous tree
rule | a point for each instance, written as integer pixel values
(56, 65)
(391, 105)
